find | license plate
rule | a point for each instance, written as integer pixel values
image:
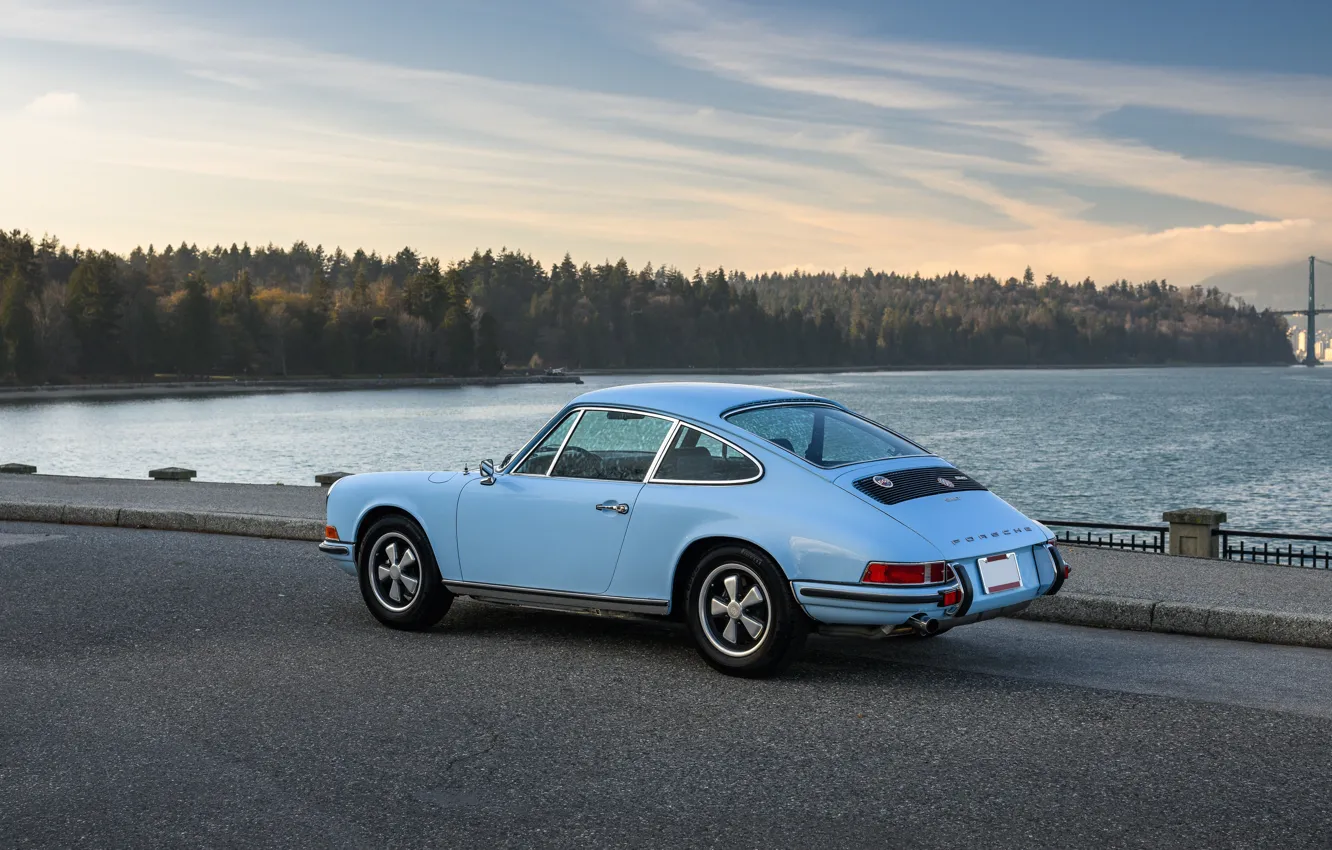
(1000, 572)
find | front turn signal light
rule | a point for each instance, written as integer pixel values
(331, 533)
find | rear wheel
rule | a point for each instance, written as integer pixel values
(400, 581)
(742, 615)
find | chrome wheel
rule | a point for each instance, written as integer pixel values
(733, 610)
(395, 572)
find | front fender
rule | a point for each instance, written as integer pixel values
(431, 499)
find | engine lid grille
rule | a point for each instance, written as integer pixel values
(891, 488)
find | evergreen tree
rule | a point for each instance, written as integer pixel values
(194, 327)
(93, 304)
(461, 348)
(488, 360)
(361, 289)
(16, 326)
(302, 310)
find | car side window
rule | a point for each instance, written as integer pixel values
(697, 457)
(539, 460)
(612, 445)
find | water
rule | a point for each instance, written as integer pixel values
(1111, 445)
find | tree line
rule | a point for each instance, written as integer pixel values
(69, 314)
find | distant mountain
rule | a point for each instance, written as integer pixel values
(1280, 287)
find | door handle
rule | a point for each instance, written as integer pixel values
(621, 508)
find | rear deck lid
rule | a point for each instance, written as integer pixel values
(947, 507)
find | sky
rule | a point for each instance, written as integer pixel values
(1190, 141)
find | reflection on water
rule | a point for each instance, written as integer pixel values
(1117, 445)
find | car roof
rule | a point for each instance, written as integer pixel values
(691, 400)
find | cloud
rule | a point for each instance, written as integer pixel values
(240, 81)
(864, 152)
(56, 104)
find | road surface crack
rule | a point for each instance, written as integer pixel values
(488, 744)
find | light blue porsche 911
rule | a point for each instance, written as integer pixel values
(754, 515)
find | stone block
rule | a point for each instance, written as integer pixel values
(1079, 609)
(1193, 532)
(160, 520)
(1270, 627)
(326, 479)
(172, 473)
(18, 469)
(31, 511)
(90, 515)
(1180, 618)
(1195, 516)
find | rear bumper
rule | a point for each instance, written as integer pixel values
(860, 604)
(866, 609)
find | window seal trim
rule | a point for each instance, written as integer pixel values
(679, 424)
(577, 414)
(579, 411)
(726, 417)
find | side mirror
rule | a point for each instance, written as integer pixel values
(487, 472)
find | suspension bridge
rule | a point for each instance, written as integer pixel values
(1310, 359)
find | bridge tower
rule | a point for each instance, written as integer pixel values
(1309, 358)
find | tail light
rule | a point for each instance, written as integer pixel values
(931, 572)
(950, 598)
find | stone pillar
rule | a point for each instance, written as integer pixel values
(1192, 532)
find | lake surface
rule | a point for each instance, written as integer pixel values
(1112, 445)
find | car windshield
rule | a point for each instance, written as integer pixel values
(824, 436)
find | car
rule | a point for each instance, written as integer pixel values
(754, 515)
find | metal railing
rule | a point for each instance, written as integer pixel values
(1265, 547)
(1137, 538)
(1256, 547)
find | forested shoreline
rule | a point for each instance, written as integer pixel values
(78, 314)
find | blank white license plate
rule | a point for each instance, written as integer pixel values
(1000, 572)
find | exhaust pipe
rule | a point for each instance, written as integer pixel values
(924, 624)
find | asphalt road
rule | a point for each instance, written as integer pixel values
(163, 689)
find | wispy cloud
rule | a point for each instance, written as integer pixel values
(866, 152)
(56, 104)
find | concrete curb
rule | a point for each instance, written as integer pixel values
(1183, 618)
(244, 525)
(1077, 609)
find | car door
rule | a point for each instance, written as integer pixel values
(557, 522)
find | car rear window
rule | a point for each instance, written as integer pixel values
(825, 436)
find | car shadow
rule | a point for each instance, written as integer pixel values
(823, 655)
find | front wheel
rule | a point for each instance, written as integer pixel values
(742, 615)
(399, 578)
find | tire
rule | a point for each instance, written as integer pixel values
(737, 632)
(393, 556)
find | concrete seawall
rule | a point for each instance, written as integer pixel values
(165, 389)
(1108, 588)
